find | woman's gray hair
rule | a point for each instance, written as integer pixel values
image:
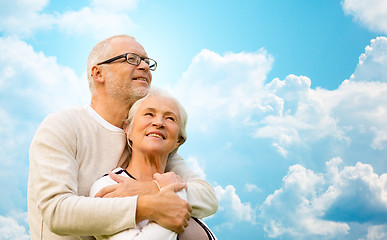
(99, 53)
(183, 117)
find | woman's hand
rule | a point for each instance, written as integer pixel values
(166, 179)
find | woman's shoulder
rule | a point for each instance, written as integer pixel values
(104, 181)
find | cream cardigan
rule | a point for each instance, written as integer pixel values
(72, 149)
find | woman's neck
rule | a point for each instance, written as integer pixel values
(142, 166)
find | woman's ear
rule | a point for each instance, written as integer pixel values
(180, 140)
(128, 130)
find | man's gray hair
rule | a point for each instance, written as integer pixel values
(99, 53)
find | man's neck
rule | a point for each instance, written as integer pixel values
(113, 111)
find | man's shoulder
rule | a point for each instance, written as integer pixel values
(67, 115)
(65, 120)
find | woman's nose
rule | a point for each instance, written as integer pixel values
(158, 123)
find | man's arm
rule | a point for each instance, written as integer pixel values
(164, 206)
(53, 187)
(200, 194)
(158, 208)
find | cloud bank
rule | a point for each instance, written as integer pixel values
(321, 204)
(289, 111)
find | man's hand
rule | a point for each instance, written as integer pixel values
(165, 208)
(167, 178)
(127, 187)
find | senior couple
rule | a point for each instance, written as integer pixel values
(149, 192)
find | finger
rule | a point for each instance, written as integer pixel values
(186, 223)
(105, 190)
(189, 208)
(156, 176)
(176, 187)
(116, 177)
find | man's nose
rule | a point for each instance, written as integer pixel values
(143, 66)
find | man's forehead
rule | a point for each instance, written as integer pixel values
(126, 44)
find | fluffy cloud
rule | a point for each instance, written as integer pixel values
(24, 16)
(100, 19)
(249, 187)
(10, 229)
(358, 106)
(378, 232)
(197, 167)
(35, 81)
(372, 63)
(313, 204)
(371, 13)
(289, 111)
(231, 82)
(231, 205)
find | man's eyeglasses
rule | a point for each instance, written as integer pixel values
(133, 59)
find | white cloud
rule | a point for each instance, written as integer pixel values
(37, 81)
(231, 205)
(371, 13)
(356, 109)
(378, 232)
(249, 187)
(24, 16)
(372, 63)
(97, 22)
(313, 204)
(197, 167)
(10, 229)
(232, 89)
(100, 19)
(216, 88)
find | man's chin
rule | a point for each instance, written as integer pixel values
(140, 92)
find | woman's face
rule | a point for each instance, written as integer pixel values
(156, 126)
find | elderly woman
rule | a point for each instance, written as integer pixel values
(155, 129)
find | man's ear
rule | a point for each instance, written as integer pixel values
(97, 75)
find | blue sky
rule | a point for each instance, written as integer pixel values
(286, 100)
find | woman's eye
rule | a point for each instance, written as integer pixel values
(148, 114)
(171, 118)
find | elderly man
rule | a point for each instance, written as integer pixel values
(73, 148)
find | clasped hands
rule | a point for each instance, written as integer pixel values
(163, 206)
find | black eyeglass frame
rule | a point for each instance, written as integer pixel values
(125, 55)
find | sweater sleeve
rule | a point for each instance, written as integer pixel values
(53, 187)
(200, 194)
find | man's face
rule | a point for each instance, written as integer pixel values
(122, 79)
